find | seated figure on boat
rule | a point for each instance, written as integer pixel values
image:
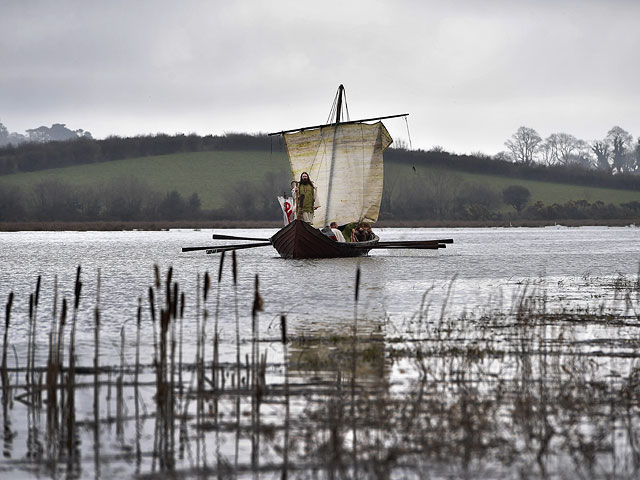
(362, 233)
(306, 196)
(336, 231)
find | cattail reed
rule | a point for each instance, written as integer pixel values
(96, 356)
(180, 344)
(52, 376)
(120, 387)
(258, 304)
(137, 369)
(202, 333)
(353, 373)
(33, 314)
(152, 309)
(283, 328)
(214, 367)
(136, 384)
(70, 405)
(7, 322)
(29, 342)
(59, 360)
(234, 270)
(285, 455)
(156, 275)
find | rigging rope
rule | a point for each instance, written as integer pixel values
(408, 134)
(346, 107)
(332, 112)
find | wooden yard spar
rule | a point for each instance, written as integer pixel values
(344, 161)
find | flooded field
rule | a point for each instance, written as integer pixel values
(514, 353)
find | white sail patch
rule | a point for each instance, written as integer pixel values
(345, 164)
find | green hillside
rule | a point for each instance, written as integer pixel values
(212, 174)
(546, 192)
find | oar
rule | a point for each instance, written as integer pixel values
(410, 244)
(225, 248)
(216, 236)
(417, 242)
(394, 244)
(398, 247)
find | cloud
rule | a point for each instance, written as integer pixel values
(470, 73)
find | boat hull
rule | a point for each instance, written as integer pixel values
(300, 240)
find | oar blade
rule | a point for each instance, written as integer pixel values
(217, 236)
(225, 248)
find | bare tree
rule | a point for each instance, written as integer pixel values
(636, 156)
(4, 134)
(582, 155)
(502, 156)
(603, 153)
(546, 153)
(620, 141)
(562, 146)
(524, 145)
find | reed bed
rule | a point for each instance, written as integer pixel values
(522, 393)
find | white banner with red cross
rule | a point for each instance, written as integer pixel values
(288, 205)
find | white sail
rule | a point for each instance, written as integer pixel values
(345, 164)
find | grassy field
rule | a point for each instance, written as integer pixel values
(546, 192)
(212, 174)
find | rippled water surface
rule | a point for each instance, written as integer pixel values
(484, 264)
(404, 295)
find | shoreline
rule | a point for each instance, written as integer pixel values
(247, 224)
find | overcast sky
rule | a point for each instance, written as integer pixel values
(469, 73)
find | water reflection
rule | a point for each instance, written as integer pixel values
(515, 388)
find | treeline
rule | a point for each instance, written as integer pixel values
(123, 199)
(441, 195)
(615, 153)
(483, 164)
(131, 199)
(32, 156)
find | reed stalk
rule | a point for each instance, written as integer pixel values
(96, 379)
(71, 377)
(59, 357)
(29, 343)
(180, 382)
(52, 375)
(32, 341)
(215, 363)
(3, 370)
(96, 355)
(354, 441)
(234, 270)
(120, 387)
(152, 310)
(136, 384)
(285, 352)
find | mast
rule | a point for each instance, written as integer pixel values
(345, 159)
(333, 153)
(339, 107)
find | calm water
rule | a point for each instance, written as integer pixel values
(483, 272)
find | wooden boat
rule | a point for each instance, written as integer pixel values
(344, 161)
(301, 240)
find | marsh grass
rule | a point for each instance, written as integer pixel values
(519, 393)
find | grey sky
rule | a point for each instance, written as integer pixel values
(468, 72)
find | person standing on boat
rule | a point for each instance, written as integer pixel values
(306, 196)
